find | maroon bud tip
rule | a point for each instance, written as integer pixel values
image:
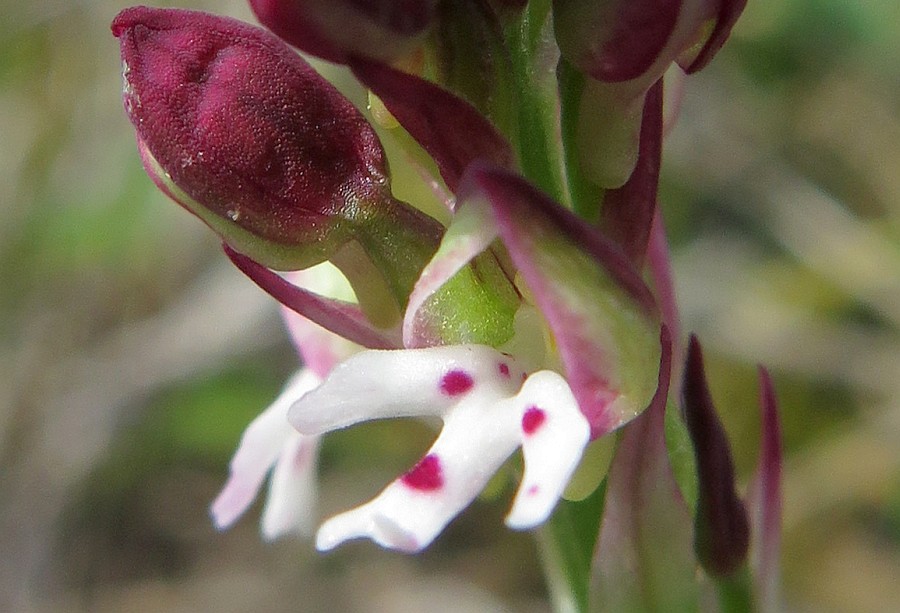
(722, 530)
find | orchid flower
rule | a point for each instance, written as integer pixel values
(524, 321)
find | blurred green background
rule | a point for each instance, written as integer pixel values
(132, 354)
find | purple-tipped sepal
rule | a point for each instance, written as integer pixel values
(721, 527)
(766, 501)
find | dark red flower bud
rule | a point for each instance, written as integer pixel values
(241, 131)
(623, 40)
(721, 527)
(335, 30)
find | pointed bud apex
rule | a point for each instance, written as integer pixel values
(335, 30)
(242, 132)
(722, 531)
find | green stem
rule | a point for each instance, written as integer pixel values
(734, 593)
(392, 243)
(538, 145)
(566, 543)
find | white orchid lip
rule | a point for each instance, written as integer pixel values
(489, 406)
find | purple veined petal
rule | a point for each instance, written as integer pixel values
(344, 319)
(412, 382)
(451, 130)
(614, 40)
(721, 527)
(601, 313)
(259, 449)
(471, 232)
(766, 501)
(554, 435)
(728, 13)
(292, 489)
(627, 213)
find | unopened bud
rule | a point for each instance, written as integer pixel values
(242, 132)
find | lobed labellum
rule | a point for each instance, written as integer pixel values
(484, 424)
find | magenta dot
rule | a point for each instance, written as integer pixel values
(456, 382)
(426, 476)
(503, 367)
(533, 490)
(532, 420)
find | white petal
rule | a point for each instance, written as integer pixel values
(290, 505)
(554, 435)
(478, 436)
(259, 448)
(403, 383)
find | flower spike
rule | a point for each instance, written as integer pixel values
(487, 411)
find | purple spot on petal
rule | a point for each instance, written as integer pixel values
(456, 382)
(503, 367)
(426, 476)
(532, 420)
(533, 490)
